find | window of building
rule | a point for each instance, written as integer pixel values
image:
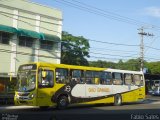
(45, 78)
(128, 79)
(106, 78)
(62, 76)
(117, 79)
(26, 41)
(4, 37)
(48, 45)
(77, 76)
(138, 80)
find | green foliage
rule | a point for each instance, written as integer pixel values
(74, 49)
(154, 67)
(102, 64)
(132, 64)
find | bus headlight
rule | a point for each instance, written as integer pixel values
(31, 96)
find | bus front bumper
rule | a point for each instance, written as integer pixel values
(29, 102)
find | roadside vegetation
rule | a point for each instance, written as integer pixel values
(75, 51)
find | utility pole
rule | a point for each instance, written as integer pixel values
(141, 49)
(142, 33)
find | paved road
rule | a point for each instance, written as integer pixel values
(148, 110)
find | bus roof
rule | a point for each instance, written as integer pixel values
(51, 65)
(123, 71)
(44, 64)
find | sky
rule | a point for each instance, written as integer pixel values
(114, 24)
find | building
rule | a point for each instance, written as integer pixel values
(29, 32)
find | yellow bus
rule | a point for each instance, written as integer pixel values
(43, 84)
(126, 86)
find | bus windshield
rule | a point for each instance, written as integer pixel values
(26, 81)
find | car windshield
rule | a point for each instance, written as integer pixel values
(26, 81)
(157, 89)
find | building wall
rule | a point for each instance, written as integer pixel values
(6, 20)
(5, 58)
(34, 17)
(26, 20)
(27, 12)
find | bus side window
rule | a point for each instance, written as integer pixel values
(106, 78)
(128, 79)
(77, 76)
(92, 77)
(62, 76)
(45, 78)
(117, 78)
(96, 79)
(138, 80)
(89, 77)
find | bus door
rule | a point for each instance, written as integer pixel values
(139, 82)
(45, 87)
(129, 87)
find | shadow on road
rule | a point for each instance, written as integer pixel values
(132, 111)
(87, 114)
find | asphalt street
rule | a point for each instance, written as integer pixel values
(146, 110)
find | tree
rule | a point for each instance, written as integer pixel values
(154, 67)
(120, 65)
(75, 49)
(102, 64)
(132, 64)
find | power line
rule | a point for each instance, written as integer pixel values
(119, 44)
(112, 13)
(148, 58)
(89, 40)
(106, 14)
(95, 12)
(106, 58)
(151, 45)
(2, 13)
(58, 32)
(105, 49)
(131, 55)
(152, 48)
(100, 57)
(28, 54)
(114, 43)
(112, 54)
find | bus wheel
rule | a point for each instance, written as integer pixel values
(117, 100)
(62, 102)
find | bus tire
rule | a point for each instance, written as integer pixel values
(117, 100)
(62, 102)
